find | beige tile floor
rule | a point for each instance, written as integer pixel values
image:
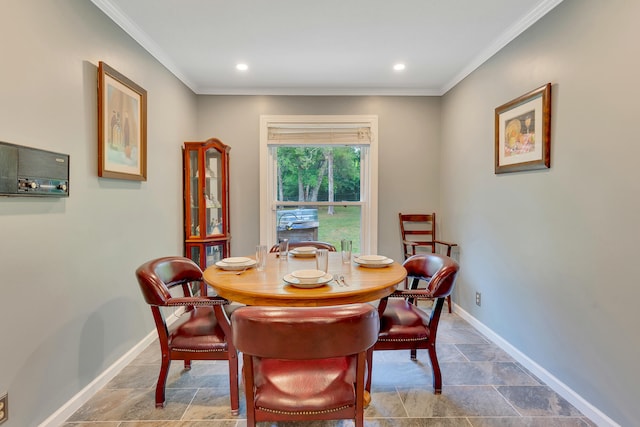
(482, 387)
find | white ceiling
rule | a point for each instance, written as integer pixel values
(323, 47)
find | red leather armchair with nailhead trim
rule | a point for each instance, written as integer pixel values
(305, 363)
(202, 332)
(418, 233)
(404, 325)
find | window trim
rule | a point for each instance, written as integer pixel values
(369, 172)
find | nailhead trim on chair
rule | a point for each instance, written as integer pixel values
(401, 339)
(188, 350)
(197, 303)
(405, 294)
(324, 411)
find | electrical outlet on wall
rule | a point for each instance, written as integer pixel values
(478, 299)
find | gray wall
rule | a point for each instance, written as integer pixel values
(70, 306)
(554, 252)
(408, 165)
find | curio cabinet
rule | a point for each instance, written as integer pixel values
(206, 201)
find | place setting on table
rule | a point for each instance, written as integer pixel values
(303, 252)
(310, 278)
(236, 264)
(307, 279)
(372, 261)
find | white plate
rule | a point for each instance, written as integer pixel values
(295, 282)
(236, 266)
(236, 260)
(308, 276)
(304, 249)
(296, 253)
(373, 259)
(387, 262)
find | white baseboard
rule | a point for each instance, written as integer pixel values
(65, 411)
(590, 411)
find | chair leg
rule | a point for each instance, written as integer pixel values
(414, 354)
(233, 383)
(449, 302)
(247, 365)
(435, 366)
(367, 385)
(187, 365)
(363, 398)
(162, 381)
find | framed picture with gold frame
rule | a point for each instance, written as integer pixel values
(523, 132)
(122, 126)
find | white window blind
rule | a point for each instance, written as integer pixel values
(317, 133)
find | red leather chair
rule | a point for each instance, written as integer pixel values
(406, 326)
(305, 363)
(203, 330)
(315, 244)
(418, 233)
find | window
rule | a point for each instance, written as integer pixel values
(319, 179)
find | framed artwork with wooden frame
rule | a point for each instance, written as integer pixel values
(523, 132)
(122, 126)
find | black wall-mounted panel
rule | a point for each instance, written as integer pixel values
(26, 171)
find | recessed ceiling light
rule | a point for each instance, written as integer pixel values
(242, 67)
(399, 67)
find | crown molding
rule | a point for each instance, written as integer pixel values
(505, 38)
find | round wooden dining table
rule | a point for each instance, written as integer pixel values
(267, 287)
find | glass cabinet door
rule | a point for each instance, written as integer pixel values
(214, 253)
(213, 192)
(194, 199)
(206, 254)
